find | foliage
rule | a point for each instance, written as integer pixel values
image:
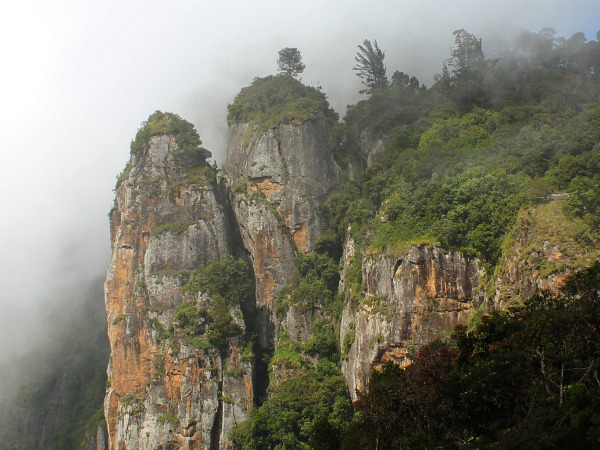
(227, 277)
(323, 341)
(289, 355)
(316, 287)
(524, 379)
(169, 418)
(207, 326)
(308, 406)
(349, 340)
(307, 411)
(175, 227)
(210, 324)
(319, 266)
(457, 174)
(272, 100)
(468, 65)
(221, 326)
(329, 244)
(370, 66)
(290, 61)
(190, 322)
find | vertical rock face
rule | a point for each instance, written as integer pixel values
(292, 166)
(279, 177)
(165, 392)
(408, 301)
(371, 145)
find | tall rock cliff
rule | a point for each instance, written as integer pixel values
(405, 301)
(280, 176)
(168, 390)
(182, 372)
(281, 168)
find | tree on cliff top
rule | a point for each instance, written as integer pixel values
(370, 66)
(290, 61)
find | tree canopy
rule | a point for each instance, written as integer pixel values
(273, 99)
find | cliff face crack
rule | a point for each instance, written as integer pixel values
(215, 431)
(396, 267)
(283, 160)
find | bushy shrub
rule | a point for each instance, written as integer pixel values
(227, 277)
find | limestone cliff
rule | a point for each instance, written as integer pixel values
(407, 300)
(279, 175)
(170, 385)
(165, 392)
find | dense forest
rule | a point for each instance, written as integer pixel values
(460, 162)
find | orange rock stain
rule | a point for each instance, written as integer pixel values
(267, 186)
(301, 238)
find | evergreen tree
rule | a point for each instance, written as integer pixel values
(370, 66)
(468, 65)
(290, 61)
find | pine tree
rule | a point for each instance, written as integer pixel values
(370, 66)
(290, 61)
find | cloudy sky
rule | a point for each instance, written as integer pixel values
(78, 77)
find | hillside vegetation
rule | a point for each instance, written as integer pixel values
(273, 99)
(461, 158)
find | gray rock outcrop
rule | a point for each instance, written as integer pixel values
(408, 300)
(279, 176)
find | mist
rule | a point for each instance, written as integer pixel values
(80, 77)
